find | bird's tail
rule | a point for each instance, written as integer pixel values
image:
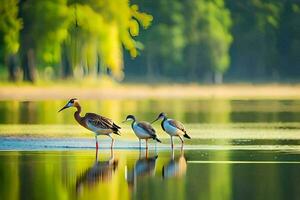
(157, 139)
(186, 136)
(116, 131)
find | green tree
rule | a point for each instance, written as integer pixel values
(60, 35)
(289, 39)
(102, 41)
(209, 37)
(255, 26)
(163, 43)
(45, 27)
(10, 26)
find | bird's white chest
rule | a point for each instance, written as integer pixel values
(140, 132)
(171, 130)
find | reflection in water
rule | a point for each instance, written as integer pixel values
(100, 171)
(48, 175)
(185, 110)
(144, 166)
(176, 167)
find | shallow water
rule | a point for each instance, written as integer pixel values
(241, 149)
(124, 174)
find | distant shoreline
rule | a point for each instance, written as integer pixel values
(128, 91)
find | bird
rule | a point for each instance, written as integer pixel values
(173, 128)
(99, 125)
(142, 129)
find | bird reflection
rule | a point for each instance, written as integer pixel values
(144, 166)
(176, 167)
(100, 171)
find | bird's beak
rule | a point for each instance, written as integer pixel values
(124, 121)
(155, 120)
(66, 106)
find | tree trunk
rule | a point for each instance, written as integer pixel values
(12, 64)
(218, 78)
(149, 66)
(67, 70)
(28, 65)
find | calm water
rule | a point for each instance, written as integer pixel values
(241, 149)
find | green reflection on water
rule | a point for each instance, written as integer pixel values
(191, 111)
(136, 175)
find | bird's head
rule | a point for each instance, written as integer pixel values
(160, 116)
(71, 103)
(129, 118)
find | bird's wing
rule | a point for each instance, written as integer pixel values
(177, 124)
(147, 127)
(99, 121)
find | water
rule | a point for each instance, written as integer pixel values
(200, 174)
(241, 149)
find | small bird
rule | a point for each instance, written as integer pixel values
(143, 130)
(98, 124)
(173, 128)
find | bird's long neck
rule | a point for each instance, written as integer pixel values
(162, 122)
(132, 123)
(77, 114)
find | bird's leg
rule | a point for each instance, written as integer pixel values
(96, 142)
(96, 155)
(112, 142)
(146, 144)
(172, 154)
(181, 142)
(140, 153)
(172, 145)
(111, 154)
(140, 144)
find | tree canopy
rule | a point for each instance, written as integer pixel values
(192, 40)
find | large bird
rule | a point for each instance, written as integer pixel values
(99, 125)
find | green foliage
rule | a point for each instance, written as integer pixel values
(84, 34)
(213, 35)
(107, 32)
(10, 25)
(188, 40)
(46, 24)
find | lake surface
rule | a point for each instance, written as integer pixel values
(241, 149)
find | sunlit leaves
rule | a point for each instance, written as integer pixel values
(10, 25)
(213, 23)
(92, 32)
(104, 28)
(144, 18)
(46, 24)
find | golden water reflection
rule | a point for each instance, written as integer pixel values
(185, 110)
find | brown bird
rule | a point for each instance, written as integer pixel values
(98, 124)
